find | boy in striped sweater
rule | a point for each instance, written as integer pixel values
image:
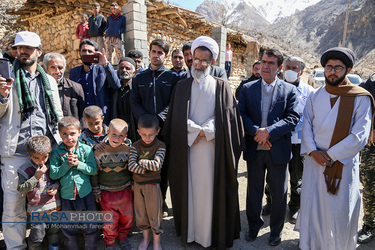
(146, 160)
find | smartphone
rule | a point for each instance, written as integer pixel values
(90, 58)
(5, 68)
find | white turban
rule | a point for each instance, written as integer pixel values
(207, 42)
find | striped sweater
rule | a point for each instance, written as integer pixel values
(146, 160)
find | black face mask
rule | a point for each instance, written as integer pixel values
(334, 83)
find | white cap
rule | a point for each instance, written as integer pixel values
(27, 38)
(207, 42)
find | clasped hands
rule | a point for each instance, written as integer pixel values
(262, 137)
(200, 135)
(321, 157)
(73, 159)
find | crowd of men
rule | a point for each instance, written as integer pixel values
(280, 126)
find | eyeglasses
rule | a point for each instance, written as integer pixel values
(204, 63)
(338, 68)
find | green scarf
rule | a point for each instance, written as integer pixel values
(26, 99)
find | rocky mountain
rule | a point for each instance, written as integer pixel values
(239, 15)
(273, 10)
(314, 28)
(310, 27)
(360, 31)
(251, 14)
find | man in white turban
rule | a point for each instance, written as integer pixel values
(204, 144)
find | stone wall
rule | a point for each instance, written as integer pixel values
(56, 24)
(58, 35)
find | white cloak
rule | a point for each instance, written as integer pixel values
(329, 221)
(201, 160)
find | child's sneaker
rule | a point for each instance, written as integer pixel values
(366, 234)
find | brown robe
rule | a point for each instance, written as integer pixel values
(228, 140)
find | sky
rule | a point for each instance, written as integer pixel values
(187, 4)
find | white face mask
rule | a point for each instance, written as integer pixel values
(291, 76)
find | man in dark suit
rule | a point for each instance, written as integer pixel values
(97, 79)
(71, 93)
(269, 111)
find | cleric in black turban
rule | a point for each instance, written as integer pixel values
(338, 53)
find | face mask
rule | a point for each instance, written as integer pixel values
(291, 76)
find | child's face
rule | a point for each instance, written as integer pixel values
(116, 137)
(148, 134)
(95, 124)
(39, 159)
(69, 136)
(83, 19)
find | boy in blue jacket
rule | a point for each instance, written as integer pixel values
(116, 24)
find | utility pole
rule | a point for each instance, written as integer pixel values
(346, 24)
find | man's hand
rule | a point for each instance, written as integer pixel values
(262, 136)
(52, 189)
(73, 159)
(102, 59)
(321, 157)
(200, 135)
(5, 86)
(267, 145)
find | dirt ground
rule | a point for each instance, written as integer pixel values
(289, 236)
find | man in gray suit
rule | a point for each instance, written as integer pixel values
(269, 109)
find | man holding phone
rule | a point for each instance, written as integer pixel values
(97, 77)
(29, 106)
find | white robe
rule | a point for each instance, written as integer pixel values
(201, 161)
(329, 221)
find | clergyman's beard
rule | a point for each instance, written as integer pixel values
(197, 74)
(87, 63)
(334, 83)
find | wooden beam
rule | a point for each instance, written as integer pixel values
(169, 11)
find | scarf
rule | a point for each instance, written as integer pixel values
(26, 99)
(347, 91)
(117, 16)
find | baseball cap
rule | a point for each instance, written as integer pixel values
(27, 38)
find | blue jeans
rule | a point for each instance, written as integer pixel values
(70, 231)
(228, 68)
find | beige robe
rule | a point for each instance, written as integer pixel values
(201, 160)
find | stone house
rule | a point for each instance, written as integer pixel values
(56, 20)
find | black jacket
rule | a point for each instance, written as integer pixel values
(238, 90)
(97, 25)
(72, 98)
(151, 93)
(369, 85)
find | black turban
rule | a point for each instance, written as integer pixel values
(128, 59)
(338, 53)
